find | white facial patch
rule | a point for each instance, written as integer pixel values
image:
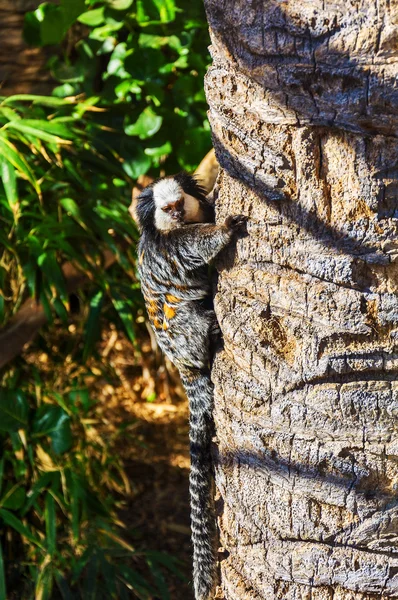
(168, 191)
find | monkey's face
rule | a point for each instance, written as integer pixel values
(176, 211)
(174, 207)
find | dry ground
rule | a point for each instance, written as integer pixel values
(139, 394)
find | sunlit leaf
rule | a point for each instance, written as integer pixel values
(44, 584)
(119, 4)
(9, 181)
(10, 152)
(158, 151)
(44, 100)
(40, 129)
(147, 124)
(93, 17)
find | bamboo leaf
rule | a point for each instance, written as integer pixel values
(12, 521)
(44, 583)
(93, 324)
(9, 181)
(44, 100)
(10, 152)
(36, 129)
(125, 313)
(51, 525)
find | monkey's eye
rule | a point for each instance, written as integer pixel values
(167, 208)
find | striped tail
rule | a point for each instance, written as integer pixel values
(199, 389)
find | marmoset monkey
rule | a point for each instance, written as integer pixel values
(178, 241)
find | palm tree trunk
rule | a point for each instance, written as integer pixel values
(304, 114)
(22, 69)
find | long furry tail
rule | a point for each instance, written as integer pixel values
(199, 389)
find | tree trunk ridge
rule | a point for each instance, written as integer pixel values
(304, 114)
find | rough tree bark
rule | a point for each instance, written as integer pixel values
(304, 113)
(22, 69)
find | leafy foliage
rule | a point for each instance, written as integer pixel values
(63, 198)
(149, 58)
(56, 472)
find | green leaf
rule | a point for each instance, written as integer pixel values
(31, 29)
(44, 583)
(44, 26)
(10, 152)
(13, 411)
(53, 421)
(51, 524)
(119, 4)
(93, 17)
(125, 313)
(71, 9)
(51, 477)
(127, 86)
(40, 129)
(12, 521)
(147, 124)
(73, 209)
(3, 591)
(167, 561)
(159, 579)
(93, 324)
(63, 586)
(14, 498)
(137, 582)
(159, 151)
(52, 26)
(47, 261)
(91, 578)
(9, 181)
(44, 100)
(138, 164)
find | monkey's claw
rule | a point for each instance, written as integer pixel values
(236, 223)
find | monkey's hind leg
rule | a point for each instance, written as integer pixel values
(199, 389)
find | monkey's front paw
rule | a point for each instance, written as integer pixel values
(236, 223)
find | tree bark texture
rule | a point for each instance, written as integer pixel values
(304, 113)
(22, 69)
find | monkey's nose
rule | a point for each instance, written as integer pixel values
(178, 215)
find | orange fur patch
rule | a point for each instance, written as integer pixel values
(152, 308)
(169, 311)
(173, 299)
(156, 323)
(140, 260)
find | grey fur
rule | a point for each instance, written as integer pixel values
(173, 268)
